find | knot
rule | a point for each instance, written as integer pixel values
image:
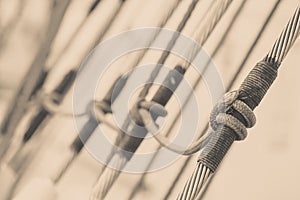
(49, 102)
(145, 112)
(233, 113)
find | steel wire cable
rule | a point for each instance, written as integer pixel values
(232, 81)
(72, 157)
(273, 60)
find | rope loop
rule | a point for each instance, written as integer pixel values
(147, 112)
(233, 113)
(144, 111)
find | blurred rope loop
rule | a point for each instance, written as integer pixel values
(49, 102)
(146, 111)
(144, 115)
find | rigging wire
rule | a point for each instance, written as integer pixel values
(6, 30)
(230, 85)
(75, 151)
(223, 137)
(47, 108)
(218, 47)
(39, 119)
(15, 112)
(91, 125)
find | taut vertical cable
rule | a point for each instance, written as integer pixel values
(228, 122)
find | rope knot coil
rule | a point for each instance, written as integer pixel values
(230, 111)
(144, 112)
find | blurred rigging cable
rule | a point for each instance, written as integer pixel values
(6, 30)
(47, 105)
(84, 135)
(219, 45)
(231, 116)
(88, 129)
(92, 9)
(16, 110)
(104, 107)
(130, 144)
(19, 161)
(46, 71)
(161, 60)
(44, 111)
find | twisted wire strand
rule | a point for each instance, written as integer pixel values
(161, 138)
(210, 25)
(16, 110)
(108, 177)
(195, 183)
(279, 50)
(112, 176)
(68, 44)
(213, 20)
(285, 41)
(170, 45)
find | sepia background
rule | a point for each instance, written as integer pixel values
(264, 166)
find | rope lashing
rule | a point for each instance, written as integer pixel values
(128, 144)
(160, 99)
(238, 116)
(215, 17)
(219, 116)
(97, 111)
(250, 93)
(50, 103)
(56, 98)
(146, 111)
(15, 112)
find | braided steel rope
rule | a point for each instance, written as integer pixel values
(251, 93)
(199, 177)
(213, 20)
(285, 40)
